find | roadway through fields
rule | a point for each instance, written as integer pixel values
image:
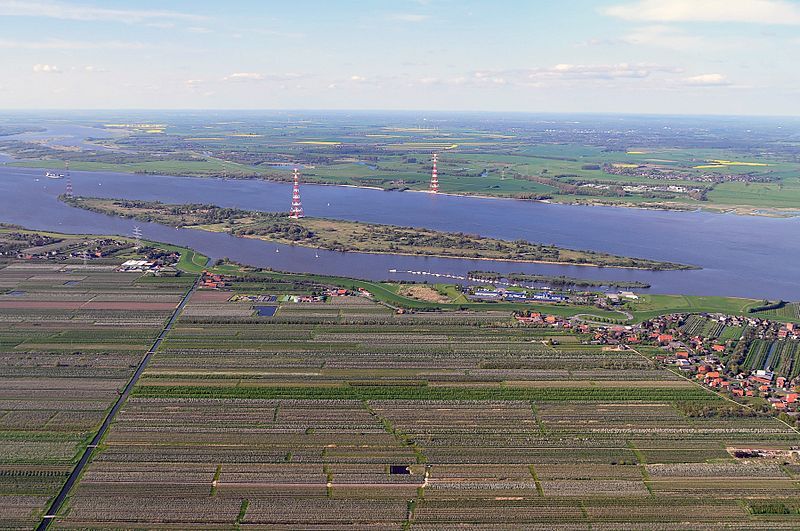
(55, 507)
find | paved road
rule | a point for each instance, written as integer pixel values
(87, 454)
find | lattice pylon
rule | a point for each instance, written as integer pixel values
(297, 205)
(68, 191)
(434, 176)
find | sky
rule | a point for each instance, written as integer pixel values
(735, 57)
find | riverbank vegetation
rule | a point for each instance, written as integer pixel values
(350, 236)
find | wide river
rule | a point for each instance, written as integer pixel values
(740, 255)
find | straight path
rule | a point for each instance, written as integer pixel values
(87, 453)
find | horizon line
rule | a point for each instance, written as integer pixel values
(376, 110)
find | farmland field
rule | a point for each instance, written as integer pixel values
(782, 357)
(343, 413)
(703, 326)
(70, 338)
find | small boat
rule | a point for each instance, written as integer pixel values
(316, 255)
(53, 175)
(277, 250)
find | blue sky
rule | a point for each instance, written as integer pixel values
(638, 56)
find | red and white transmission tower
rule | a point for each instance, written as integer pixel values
(68, 191)
(297, 207)
(434, 177)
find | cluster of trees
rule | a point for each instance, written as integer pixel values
(189, 214)
(15, 242)
(710, 410)
(159, 256)
(199, 213)
(569, 188)
(284, 230)
(408, 237)
(264, 223)
(766, 305)
(767, 508)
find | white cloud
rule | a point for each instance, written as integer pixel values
(599, 71)
(160, 25)
(409, 17)
(59, 44)
(46, 69)
(196, 86)
(708, 80)
(71, 11)
(257, 76)
(244, 76)
(665, 37)
(750, 11)
(563, 74)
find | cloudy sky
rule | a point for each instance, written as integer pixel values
(639, 56)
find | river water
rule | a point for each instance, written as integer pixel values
(65, 135)
(740, 255)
